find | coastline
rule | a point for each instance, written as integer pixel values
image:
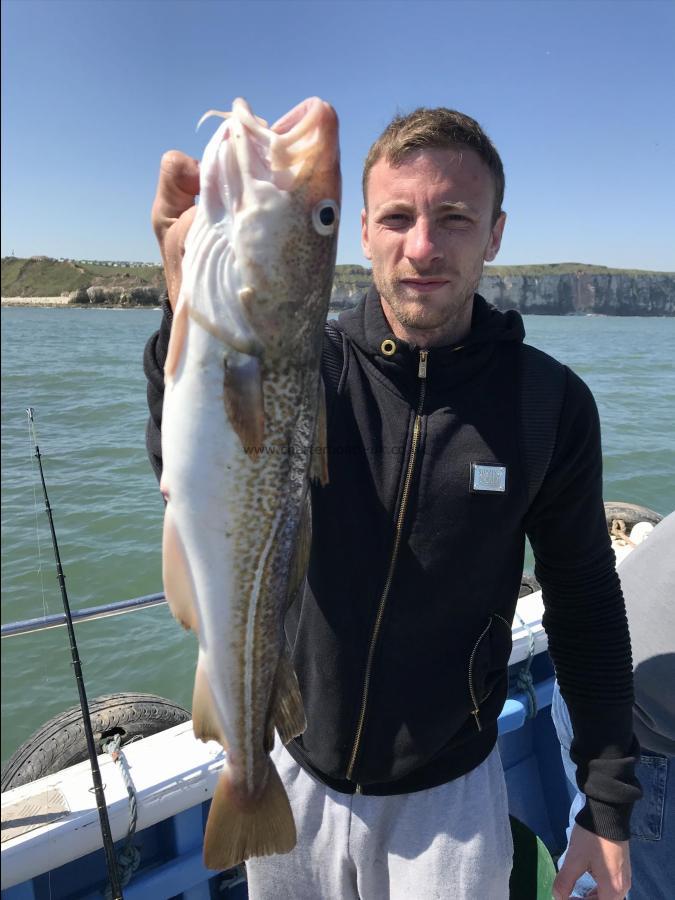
(334, 309)
(63, 302)
(34, 301)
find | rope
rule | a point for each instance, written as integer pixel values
(618, 532)
(524, 678)
(129, 857)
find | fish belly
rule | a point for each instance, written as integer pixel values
(230, 528)
(202, 475)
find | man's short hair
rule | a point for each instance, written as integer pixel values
(426, 129)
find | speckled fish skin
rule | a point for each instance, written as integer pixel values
(241, 421)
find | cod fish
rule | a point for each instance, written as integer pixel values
(243, 433)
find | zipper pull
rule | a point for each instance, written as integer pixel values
(422, 368)
(474, 713)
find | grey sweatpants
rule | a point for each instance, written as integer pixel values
(452, 841)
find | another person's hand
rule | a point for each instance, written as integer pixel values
(607, 861)
(172, 213)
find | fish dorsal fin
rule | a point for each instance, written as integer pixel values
(318, 467)
(244, 401)
(287, 713)
(303, 546)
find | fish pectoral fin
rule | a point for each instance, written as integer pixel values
(318, 467)
(205, 722)
(234, 834)
(244, 402)
(287, 712)
(176, 575)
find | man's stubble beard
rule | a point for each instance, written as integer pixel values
(431, 317)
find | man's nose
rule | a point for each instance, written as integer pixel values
(422, 245)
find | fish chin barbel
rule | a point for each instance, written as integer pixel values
(243, 415)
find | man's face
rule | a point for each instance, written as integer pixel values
(428, 229)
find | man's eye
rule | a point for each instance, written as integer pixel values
(395, 219)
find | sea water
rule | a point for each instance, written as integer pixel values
(82, 372)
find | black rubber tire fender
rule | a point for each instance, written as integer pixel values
(528, 585)
(61, 742)
(629, 513)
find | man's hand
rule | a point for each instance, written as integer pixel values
(172, 213)
(607, 861)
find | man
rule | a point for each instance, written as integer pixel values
(402, 638)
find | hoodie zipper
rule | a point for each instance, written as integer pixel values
(475, 712)
(474, 699)
(417, 428)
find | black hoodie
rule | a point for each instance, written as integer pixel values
(402, 638)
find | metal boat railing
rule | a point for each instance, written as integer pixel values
(107, 610)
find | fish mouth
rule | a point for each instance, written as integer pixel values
(306, 143)
(303, 141)
(294, 117)
(310, 114)
(301, 146)
(261, 189)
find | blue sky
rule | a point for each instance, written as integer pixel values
(577, 96)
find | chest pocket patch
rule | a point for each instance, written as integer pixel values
(487, 479)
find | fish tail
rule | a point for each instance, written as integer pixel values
(234, 834)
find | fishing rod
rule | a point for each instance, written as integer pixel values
(108, 844)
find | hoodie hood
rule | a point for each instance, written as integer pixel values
(368, 328)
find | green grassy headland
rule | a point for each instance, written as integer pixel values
(45, 277)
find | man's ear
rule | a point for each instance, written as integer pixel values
(493, 245)
(365, 243)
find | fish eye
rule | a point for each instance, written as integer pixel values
(325, 217)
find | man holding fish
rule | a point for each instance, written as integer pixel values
(398, 482)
